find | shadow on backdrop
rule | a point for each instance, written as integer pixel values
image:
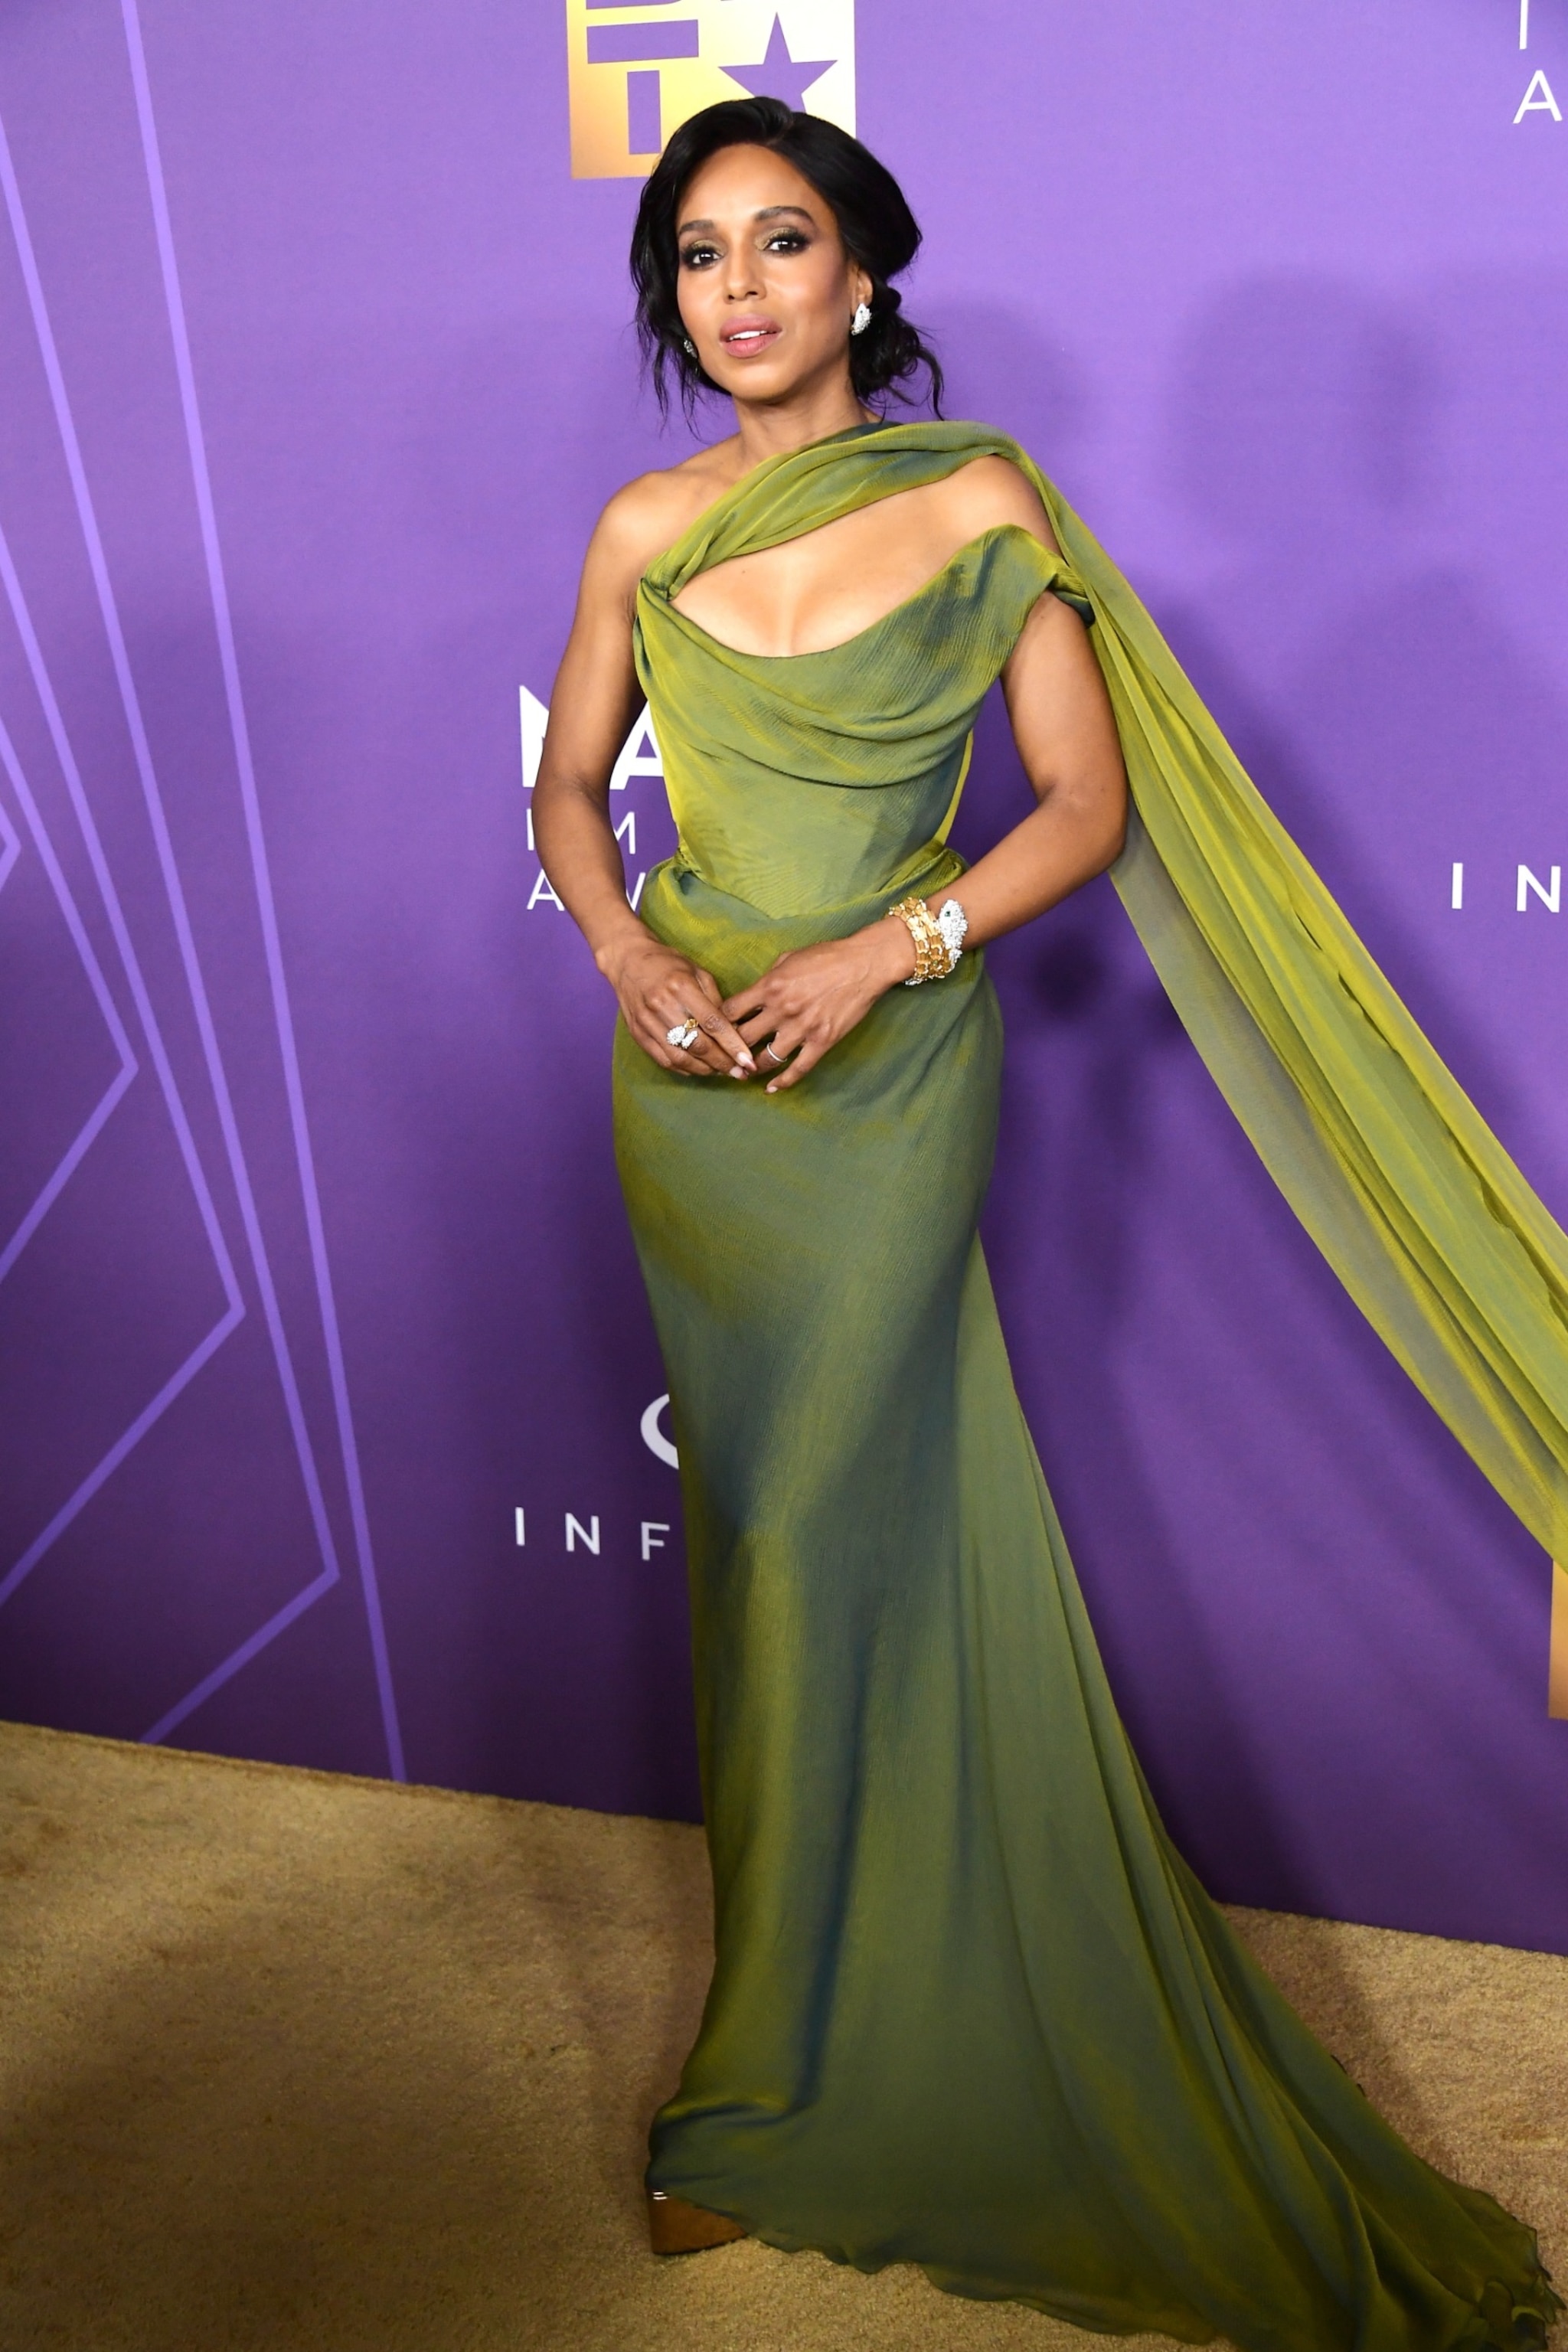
(1296, 1575)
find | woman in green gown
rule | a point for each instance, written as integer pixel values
(968, 2008)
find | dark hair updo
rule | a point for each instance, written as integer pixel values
(878, 230)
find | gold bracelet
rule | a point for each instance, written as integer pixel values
(931, 961)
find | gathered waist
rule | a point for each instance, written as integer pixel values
(737, 941)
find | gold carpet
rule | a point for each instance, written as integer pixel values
(293, 2061)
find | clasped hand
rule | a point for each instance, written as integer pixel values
(780, 1027)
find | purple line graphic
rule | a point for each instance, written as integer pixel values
(123, 1446)
(70, 1161)
(234, 1309)
(618, 44)
(228, 1667)
(256, 840)
(645, 120)
(184, 937)
(76, 1152)
(77, 931)
(103, 1108)
(630, 4)
(76, 790)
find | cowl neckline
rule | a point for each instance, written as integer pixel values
(799, 490)
(1414, 1202)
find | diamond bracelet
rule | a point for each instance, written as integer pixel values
(938, 938)
(953, 924)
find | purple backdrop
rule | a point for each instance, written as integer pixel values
(316, 372)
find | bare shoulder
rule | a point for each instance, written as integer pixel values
(991, 490)
(651, 512)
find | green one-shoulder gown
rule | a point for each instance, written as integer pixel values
(968, 2008)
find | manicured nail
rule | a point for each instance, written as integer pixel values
(748, 1059)
(737, 1072)
(773, 1085)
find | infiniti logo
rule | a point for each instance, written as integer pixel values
(581, 1531)
(654, 1438)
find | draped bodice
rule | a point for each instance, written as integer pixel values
(968, 2008)
(802, 781)
(810, 789)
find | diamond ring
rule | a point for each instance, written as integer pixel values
(685, 1034)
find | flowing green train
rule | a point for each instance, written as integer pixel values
(970, 2009)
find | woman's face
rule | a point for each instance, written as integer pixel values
(766, 289)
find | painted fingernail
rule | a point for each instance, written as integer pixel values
(737, 1072)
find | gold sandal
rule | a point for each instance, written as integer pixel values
(674, 2227)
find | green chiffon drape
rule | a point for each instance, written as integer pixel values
(968, 2008)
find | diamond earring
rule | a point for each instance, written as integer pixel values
(862, 318)
(689, 346)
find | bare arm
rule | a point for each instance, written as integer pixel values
(1066, 733)
(594, 701)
